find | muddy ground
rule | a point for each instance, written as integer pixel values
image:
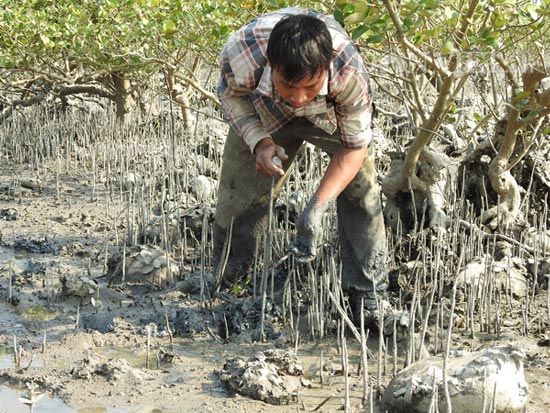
(91, 353)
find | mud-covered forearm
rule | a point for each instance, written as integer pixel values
(308, 230)
(343, 167)
(311, 215)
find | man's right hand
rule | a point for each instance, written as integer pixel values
(265, 151)
(308, 231)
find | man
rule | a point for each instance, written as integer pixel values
(288, 77)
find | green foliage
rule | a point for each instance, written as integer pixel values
(424, 51)
(117, 35)
(74, 40)
(433, 25)
(447, 40)
(82, 41)
(108, 34)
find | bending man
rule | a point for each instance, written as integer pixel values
(288, 77)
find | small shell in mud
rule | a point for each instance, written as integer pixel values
(77, 286)
(143, 263)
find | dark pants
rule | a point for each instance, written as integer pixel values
(243, 201)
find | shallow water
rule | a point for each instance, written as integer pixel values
(6, 358)
(39, 313)
(9, 397)
(9, 402)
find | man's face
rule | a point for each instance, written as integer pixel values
(301, 92)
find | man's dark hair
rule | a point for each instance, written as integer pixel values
(299, 47)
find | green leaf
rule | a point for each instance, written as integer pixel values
(532, 10)
(448, 47)
(358, 32)
(377, 38)
(362, 7)
(169, 27)
(531, 116)
(407, 23)
(223, 30)
(348, 9)
(192, 37)
(418, 39)
(500, 22)
(354, 18)
(339, 16)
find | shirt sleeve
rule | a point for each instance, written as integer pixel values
(235, 94)
(354, 104)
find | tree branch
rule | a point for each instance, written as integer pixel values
(6, 113)
(415, 50)
(91, 89)
(536, 133)
(191, 82)
(507, 72)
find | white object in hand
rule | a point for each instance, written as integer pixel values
(277, 161)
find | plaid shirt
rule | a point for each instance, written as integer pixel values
(254, 110)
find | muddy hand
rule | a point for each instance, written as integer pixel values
(308, 231)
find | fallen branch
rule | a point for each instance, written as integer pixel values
(500, 237)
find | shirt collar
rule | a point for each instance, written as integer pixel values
(265, 85)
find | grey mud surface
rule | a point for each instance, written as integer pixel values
(99, 365)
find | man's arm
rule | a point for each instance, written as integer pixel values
(343, 167)
(236, 84)
(241, 114)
